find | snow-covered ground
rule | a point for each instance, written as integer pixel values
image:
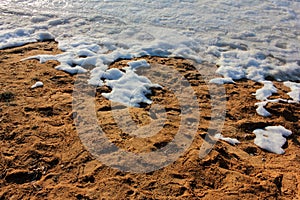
(246, 39)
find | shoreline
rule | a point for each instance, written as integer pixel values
(43, 157)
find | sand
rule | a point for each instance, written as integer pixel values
(42, 156)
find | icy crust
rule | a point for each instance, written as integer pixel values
(272, 138)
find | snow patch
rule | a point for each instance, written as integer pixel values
(71, 70)
(44, 36)
(131, 89)
(272, 138)
(133, 65)
(261, 109)
(231, 141)
(37, 84)
(221, 81)
(295, 90)
(266, 91)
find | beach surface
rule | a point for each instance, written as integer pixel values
(42, 156)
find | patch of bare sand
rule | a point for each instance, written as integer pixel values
(42, 157)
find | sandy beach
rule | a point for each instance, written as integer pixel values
(42, 156)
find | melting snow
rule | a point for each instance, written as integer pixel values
(272, 138)
(295, 90)
(37, 84)
(232, 141)
(265, 92)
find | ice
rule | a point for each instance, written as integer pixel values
(231, 141)
(272, 138)
(37, 84)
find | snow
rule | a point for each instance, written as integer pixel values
(221, 81)
(265, 92)
(295, 90)
(44, 36)
(261, 106)
(37, 84)
(261, 109)
(22, 36)
(139, 63)
(71, 70)
(255, 65)
(231, 141)
(222, 33)
(112, 74)
(130, 89)
(272, 138)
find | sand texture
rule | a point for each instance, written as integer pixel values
(42, 156)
